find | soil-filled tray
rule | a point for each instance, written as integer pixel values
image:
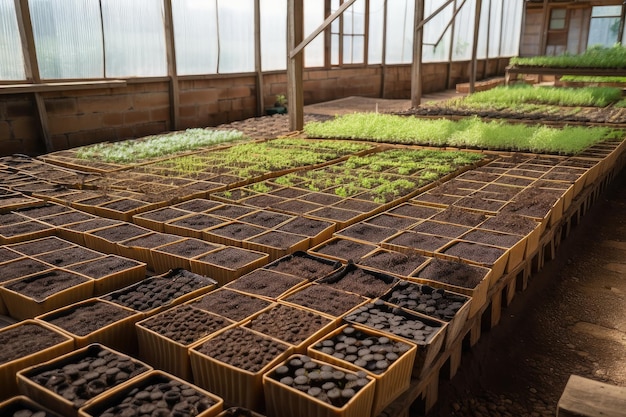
(304, 265)
(71, 381)
(233, 305)
(156, 219)
(427, 333)
(177, 254)
(140, 248)
(228, 263)
(440, 229)
(295, 326)
(27, 230)
(367, 283)
(45, 291)
(231, 364)
(22, 267)
(367, 233)
(62, 219)
(193, 225)
(277, 244)
(266, 283)
(106, 239)
(324, 299)
(233, 233)
(343, 250)
(155, 294)
(160, 392)
(422, 243)
(392, 262)
(96, 321)
(514, 243)
(266, 218)
(387, 359)
(389, 220)
(164, 339)
(24, 406)
(71, 255)
(458, 277)
(290, 392)
(111, 272)
(448, 306)
(75, 232)
(198, 205)
(7, 254)
(540, 204)
(316, 229)
(516, 224)
(28, 343)
(478, 254)
(459, 216)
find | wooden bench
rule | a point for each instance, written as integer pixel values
(528, 69)
(584, 397)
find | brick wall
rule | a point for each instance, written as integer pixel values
(142, 107)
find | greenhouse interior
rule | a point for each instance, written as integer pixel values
(436, 187)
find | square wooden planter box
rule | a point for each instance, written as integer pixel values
(140, 248)
(450, 307)
(157, 293)
(165, 338)
(193, 225)
(277, 244)
(114, 327)
(236, 385)
(178, 254)
(75, 232)
(515, 245)
(457, 277)
(208, 404)
(29, 335)
(232, 233)
(21, 305)
(284, 401)
(343, 249)
(366, 283)
(106, 240)
(304, 265)
(478, 254)
(428, 346)
(33, 384)
(422, 243)
(27, 230)
(391, 382)
(367, 233)
(323, 299)
(122, 209)
(266, 284)
(306, 326)
(23, 404)
(392, 262)
(111, 272)
(228, 263)
(156, 219)
(233, 305)
(317, 230)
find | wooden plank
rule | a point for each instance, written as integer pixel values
(521, 69)
(258, 64)
(295, 65)
(473, 64)
(416, 69)
(584, 397)
(42, 115)
(170, 48)
(59, 86)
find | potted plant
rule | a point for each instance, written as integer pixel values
(280, 106)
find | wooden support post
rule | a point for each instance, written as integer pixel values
(472, 81)
(510, 289)
(258, 64)
(475, 331)
(496, 308)
(171, 65)
(295, 64)
(416, 69)
(454, 361)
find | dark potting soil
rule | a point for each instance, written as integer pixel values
(21, 268)
(394, 262)
(323, 199)
(453, 273)
(7, 254)
(368, 232)
(361, 206)
(237, 231)
(511, 223)
(511, 180)
(296, 206)
(124, 205)
(362, 282)
(69, 256)
(26, 339)
(335, 214)
(391, 221)
(44, 210)
(163, 214)
(534, 202)
(93, 224)
(441, 229)
(11, 218)
(87, 374)
(67, 218)
(231, 211)
(231, 257)
(264, 200)
(290, 192)
(185, 324)
(243, 349)
(198, 205)
(457, 215)
(88, 317)
(431, 197)
(103, 267)
(478, 176)
(231, 304)
(305, 266)
(120, 232)
(346, 249)
(488, 237)
(265, 283)
(199, 221)
(188, 248)
(25, 228)
(277, 239)
(267, 219)
(419, 241)
(305, 226)
(288, 324)
(45, 284)
(482, 204)
(475, 252)
(152, 240)
(325, 299)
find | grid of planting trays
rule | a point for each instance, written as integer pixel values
(283, 277)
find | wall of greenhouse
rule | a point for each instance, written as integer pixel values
(145, 66)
